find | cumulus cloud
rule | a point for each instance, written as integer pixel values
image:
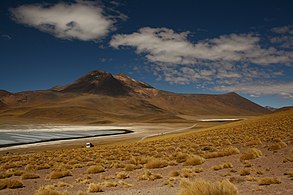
(284, 37)
(225, 61)
(163, 45)
(82, 20)
(283, 89)
(283, 29)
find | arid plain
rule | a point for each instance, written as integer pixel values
(170, 152)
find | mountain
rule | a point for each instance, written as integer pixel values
(98, 82)
(270, 108)
(4, 93)
(100, 97)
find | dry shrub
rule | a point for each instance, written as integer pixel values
(253, 142)
(15, 172)
(5, 175)
(131, 167)
(222, 152)
(251, 153)
(10, 183)
(84, 180)
(59, 174)
(236, 180)
(109, 184)
(174, 173)
(222, 166)
(180, 157)
(43, 166)
(49, 190)
(147, 175)
(95, 169)
(170, 181)
(30, 167)
(122, 175)
(79, 192)
(245, 172)
(194, 160)
(124, 184)
(29, 176)
(95, 187)
(289, 173)
(197, 169)
(268, 181)
(153, 163)
(202, 187)
(247, 163)
(277, 146)
(107, 177)
(76, 166)
(63, 184)
(250, 178)
(287, 159)
(186, 173)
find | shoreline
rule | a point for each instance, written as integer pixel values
(122, 131)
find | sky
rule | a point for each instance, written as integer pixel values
(186, 46)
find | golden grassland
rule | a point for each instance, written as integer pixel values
(123, 165)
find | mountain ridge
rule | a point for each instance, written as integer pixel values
(100, 97)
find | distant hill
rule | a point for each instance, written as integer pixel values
(100, 97)
(270, 108)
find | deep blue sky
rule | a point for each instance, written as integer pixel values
(31, 59)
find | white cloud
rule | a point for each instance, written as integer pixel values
(163, 45)
(226, 60)
(6, 37)
(283, 29)
(83, 20)
(284, 36)
(284, 90)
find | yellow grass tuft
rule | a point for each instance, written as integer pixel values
(49, 190)
(251, 153)
(153, 163)
(230, 150)
(95, 187)
(222, 166)
(124, 184)
(131, 167)
(10, 183)
(147, 175)
(63, 184)
(59, 174)
(202, 187)
(289, 173)
(5, 175)
(187, 173)
(194, 160)
(268, 181)
(255, 141)
(174, 173)
(277, 146)
(84, 180)
(122, 175)
(245, 172)
(95, 169)
(29, 176)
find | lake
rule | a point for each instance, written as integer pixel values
(13, 138)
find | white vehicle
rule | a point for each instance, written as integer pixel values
(89, 145)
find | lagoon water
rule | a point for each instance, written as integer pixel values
(12, 138)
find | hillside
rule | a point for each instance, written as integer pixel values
(253, 156)
(100, 97)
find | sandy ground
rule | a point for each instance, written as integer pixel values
(269, 165)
